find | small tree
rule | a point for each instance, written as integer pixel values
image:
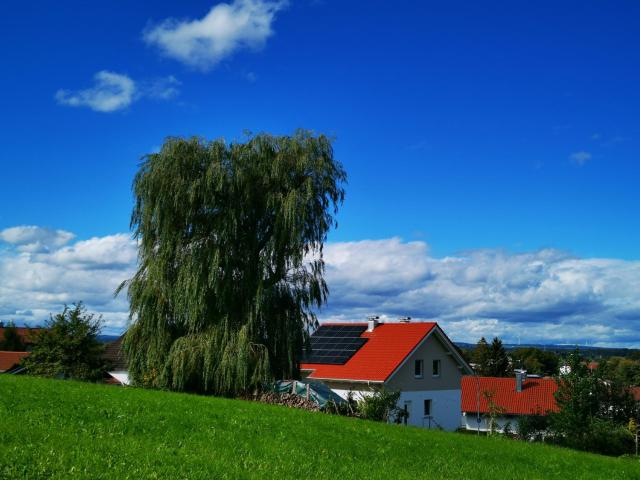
(11, 340)
(495, 410)
(633, 430)
(68, 347)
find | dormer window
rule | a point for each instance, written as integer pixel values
(418, 369)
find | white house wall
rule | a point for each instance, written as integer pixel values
(445, 406)
(470, 422)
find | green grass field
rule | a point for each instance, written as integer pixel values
(61, 429)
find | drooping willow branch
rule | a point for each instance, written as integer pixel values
(230, 263)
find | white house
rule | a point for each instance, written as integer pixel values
(415, 358)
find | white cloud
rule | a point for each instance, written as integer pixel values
(36, 284)
(203, 43)
(536, 296)
(30, 238)
(164, 88)
(580, 158)
(111, 92)
(543, 296)
(116, 91)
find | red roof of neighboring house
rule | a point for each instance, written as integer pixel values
(593, 365)
(388, 345)
(635, 391)
(24, 333)
(10, 359)
(114, 355)
(536, 396)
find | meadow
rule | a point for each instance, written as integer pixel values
(64, 429)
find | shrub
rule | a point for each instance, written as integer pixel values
(381, 406)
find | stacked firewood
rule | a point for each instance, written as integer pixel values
(287, 400)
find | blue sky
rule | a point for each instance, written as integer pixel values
(463, 126)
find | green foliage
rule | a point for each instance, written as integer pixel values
(381, 406)
(536, 361)
(495, 411)
(230, 259)
(533, 427)
(491, 360)
(593, 412)
(11, 341)
(625, 371)
(59, 430)
(68, 347)
(499, 365)
(480, 356)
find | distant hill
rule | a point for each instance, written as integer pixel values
(591, 351)
(65, 429)
(107, 338)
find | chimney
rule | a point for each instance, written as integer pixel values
(405, 319)
(372, 323)
(521, 376)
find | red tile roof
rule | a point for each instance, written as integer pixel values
(114, 355)
(10, 359)
(536, 396)
(388, 345)
(24, 333)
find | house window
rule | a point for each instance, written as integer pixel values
(436, 368)
(427, 408)
(418, 368)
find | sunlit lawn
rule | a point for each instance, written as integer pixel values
(61, 429)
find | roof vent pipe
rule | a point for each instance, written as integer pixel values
(521, 376)
(372, 323)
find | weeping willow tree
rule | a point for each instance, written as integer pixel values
(230, 266)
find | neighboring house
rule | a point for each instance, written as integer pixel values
(592, 366)
(9, 361)
(26, 334)
(416, 359)
(511, 397)
(635, 391)
(117, 363)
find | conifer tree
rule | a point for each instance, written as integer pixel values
(499, 365)
(480, 357)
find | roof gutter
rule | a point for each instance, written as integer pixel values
(368, 382)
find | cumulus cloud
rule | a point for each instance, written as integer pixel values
(227, 28)
(30, 238)
(580, 158)
(115, 91)
(37, 282)
(111, 91)
(543, 296)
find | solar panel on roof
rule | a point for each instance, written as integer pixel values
(334, 344)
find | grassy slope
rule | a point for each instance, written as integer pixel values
(62, 429)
